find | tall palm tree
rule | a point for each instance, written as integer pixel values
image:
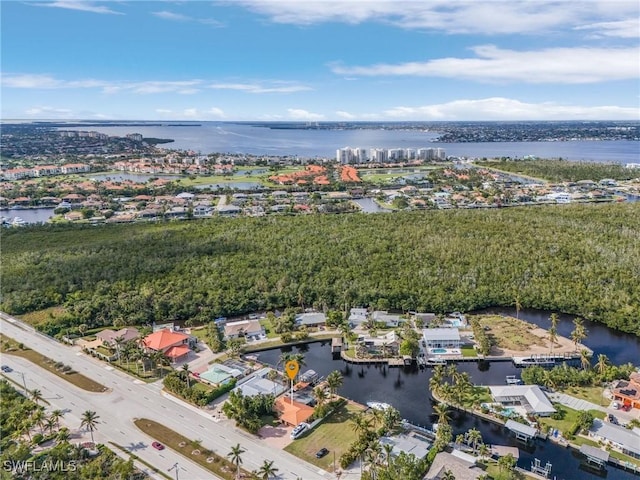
(484, 450)
(235, 455)
(388, 450)
(267, 470)
(36, 395)
(603, 363)
(442, 411)
(474, 438)
(90, 422)
(579, 332)
(585, 359)
(56, 415)
(553, 331)
(320, 395)
(50, 423)
(334, 381)
(361, 423)
(38, 418)
(186, 372)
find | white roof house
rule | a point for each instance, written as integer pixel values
(358, 315)
(531, 397)
(390, 320)
(311, 319)
(441, 337)
(628, 441)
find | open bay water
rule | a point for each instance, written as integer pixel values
(407, 389)
(212, 137)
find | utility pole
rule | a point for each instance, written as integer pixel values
(175, 467)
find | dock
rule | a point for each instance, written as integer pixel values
(336, 345)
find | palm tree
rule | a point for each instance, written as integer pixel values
(63, 435)
(38, 418)
(442, 411)
(56, 415)
(388, 450)
(361, 423)
(235, 455)
(36, 395)
(579, 332)
(90, 421)
(484, 450)
(186, 372)
(267, 470)
(50, 423)
(448, 475)
(334, 381)
(585, 359)
(603, 363)
(474, 438)
(320, 394)
(553, 331)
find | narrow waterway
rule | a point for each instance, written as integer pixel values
(407, 389)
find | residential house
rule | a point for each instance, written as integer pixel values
(311, 319)
(109, 337)
(174, 345)
(530, 397)
(463, 467)
(292, 412)
(243, 328)
(389, 320)
(628, 392)
(358, 316)
(626, 441)
(441, 337)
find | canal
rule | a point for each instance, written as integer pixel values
(407, 389)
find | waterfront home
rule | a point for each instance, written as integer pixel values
(441, 337)
(626, 441)
(258, 383)
(220, 374)
(628, 392)
(530, 397)
(424, 318)
(243, 328)
(463, 467)
(387, 345)
(409, 443)
(174, 345)
(389, 320)
(311, 319)
(290, 412)
(357, 316)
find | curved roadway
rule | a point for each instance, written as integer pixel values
(128, 399)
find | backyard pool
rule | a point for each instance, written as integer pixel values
(438, 350)
(444, 351)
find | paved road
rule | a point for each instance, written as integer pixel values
(130, 399)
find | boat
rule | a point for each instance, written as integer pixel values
(378, 405)
(436, 361)
(18, 222)
(513, 380)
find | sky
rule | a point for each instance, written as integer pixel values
(314, 61)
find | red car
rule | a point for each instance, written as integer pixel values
(626, 408)
(157, 446)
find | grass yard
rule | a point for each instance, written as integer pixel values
(268, 328)
(39, 316)
(590, 394)
(510, 333)
(207, 459)
(335, 434)
(469, 352)
(11, 347)
(478, 396)
(569, 419)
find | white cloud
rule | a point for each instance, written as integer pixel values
(45, 112)
(255, 88)
(629, 28)
(216, 112)
(81, 6)
(29, 81)
(487, 17)
(299, 114)
(499, 108)
(179, 17)
(553, 65)
(345, 115)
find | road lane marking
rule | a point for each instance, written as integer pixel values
(200, 426)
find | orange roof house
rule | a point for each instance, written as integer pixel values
(174, 345)
(628, 392)
(292, 413)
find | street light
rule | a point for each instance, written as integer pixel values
(24, 383)
(175, 467)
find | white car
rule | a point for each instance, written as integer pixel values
(615, 405)
(299, 430)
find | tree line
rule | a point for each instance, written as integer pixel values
(577, 259)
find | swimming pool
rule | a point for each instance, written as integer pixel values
(438, 350)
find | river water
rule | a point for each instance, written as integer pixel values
(407, 389)
(212, 137)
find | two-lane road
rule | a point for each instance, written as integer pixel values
(129, 399)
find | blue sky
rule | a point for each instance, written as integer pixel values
(321, 60)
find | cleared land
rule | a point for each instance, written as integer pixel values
(335, 434)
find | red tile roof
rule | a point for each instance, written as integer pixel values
(177, 352)
(164, 338)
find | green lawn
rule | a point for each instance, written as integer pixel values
(590, 394)
(268, 328)
(469, 352)
(478, 396)
(335, 434)
(39, 316)
(569, 419)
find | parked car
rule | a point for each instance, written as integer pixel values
(6, 368)
(299, 430)
(157, 446)
(612, 419)
(615, 405)
(626, 408)
(321, 453)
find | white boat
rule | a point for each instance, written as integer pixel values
(513, 380)
(378, 405)
(18, 222)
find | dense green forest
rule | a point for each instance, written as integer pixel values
(577, 259)
(563, 170)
